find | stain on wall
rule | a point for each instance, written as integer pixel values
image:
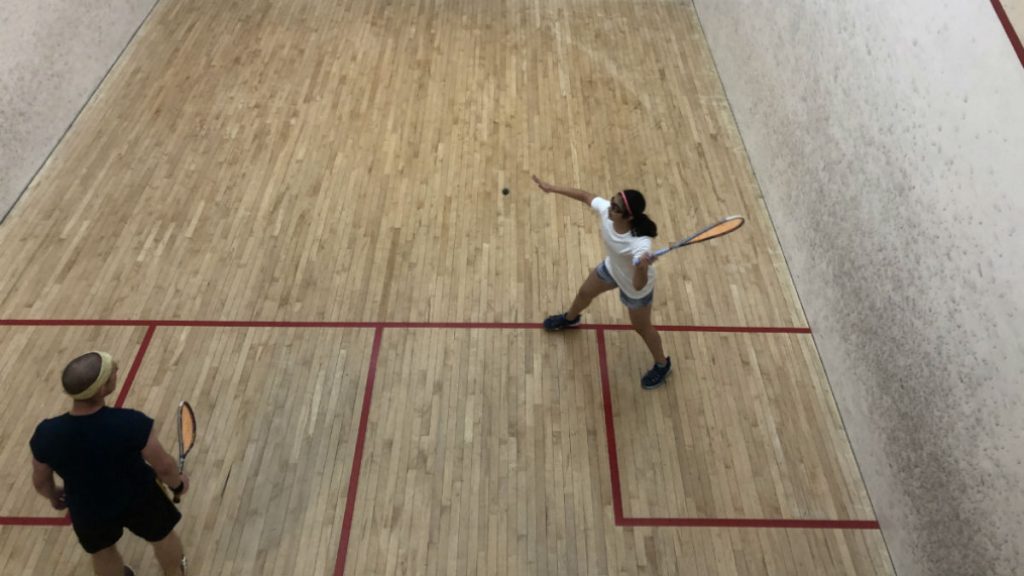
(888, 139)
(53, 54)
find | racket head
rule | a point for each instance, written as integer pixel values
(721, 228)
(186, 430)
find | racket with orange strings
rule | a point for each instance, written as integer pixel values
(186, 436)
(186, 440)
(720, 228)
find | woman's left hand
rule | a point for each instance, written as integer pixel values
(543, 185)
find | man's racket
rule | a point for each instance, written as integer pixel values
(720, 228)
(186, 436)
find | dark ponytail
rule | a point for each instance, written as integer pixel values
(642, 225)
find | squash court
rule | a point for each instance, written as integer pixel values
(290, 214)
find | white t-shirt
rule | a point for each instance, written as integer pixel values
(621, 249)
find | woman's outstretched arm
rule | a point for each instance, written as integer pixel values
(574, 193)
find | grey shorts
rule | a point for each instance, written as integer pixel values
(631, 303)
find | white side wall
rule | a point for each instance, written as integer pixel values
(888, 139)
(53, 54)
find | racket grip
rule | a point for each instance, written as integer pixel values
(177, 491)
(181, 484)
(655, 254)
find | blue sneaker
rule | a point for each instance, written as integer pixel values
(559, 322)
(655, 377)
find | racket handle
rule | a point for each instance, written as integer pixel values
(655, 254)
(177, 491)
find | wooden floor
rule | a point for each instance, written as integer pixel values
(289, 212)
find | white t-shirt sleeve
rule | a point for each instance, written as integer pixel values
(600, 205)
(640, 246)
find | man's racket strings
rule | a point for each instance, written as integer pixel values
(720, 228)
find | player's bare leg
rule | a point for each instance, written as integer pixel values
(170, 555)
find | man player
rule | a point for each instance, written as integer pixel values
(109, 460)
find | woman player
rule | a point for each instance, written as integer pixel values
(626, 232)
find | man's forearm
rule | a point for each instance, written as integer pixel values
(169, 475)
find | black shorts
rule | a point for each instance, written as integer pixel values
(151, 517)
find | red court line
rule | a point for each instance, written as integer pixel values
(752, 523)
(1008, 27)
(458, 325)
(621, 520)
(609, 429)
(186, 323)
(685, 328)
(357, 457)
(130, 378)
(34, 521)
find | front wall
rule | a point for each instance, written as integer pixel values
(886, 138)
